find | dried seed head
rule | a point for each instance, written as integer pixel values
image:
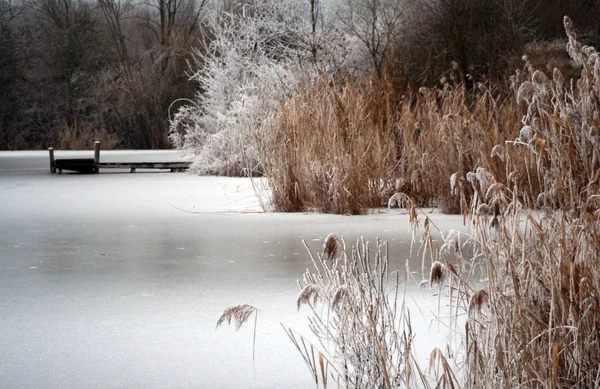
(453, 239)
(484, 209)
(310, 291)
(434, 357)
(525, 134)
(495, 191)
(569, 28)
(472, 178)
(539, 78)
(514, 176)
(498, 151)
(331, 246)
(437, 274)
(535, 125)
(485, 178)
(525, 92)
(559, 79)
(597, 70)
(478, 300)
(399, 200)
(453, 183)
(445, 248)
(590, 51)
(339, 296)
(573, 46)
(238, 313)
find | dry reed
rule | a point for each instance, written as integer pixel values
(332, 148)
(360, 321)
(537, 322)
(71, 138)
(347, 146)
(534, 322)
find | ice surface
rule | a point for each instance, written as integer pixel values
(116, 280)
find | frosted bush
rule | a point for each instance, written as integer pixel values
(257, 56)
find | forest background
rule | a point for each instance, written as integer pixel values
(72, 71)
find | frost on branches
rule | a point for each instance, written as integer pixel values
(255, 58)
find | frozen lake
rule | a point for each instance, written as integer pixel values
(116, 280)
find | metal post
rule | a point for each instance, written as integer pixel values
(52, 165)
(96, 155)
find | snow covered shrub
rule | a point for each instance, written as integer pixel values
(257, 55)
(244, 71)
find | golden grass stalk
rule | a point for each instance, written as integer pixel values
(534, 319)
(332, 147)
(346, 145)
(541, 323)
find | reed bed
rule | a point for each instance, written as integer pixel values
(451, 130)
(347, 145)
(532, 198)
(540, 324)
(332, 148)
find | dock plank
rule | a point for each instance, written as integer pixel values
(81, 165)
(93, 165)
(143, 165)
(173, 166)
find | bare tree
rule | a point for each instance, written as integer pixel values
(9, 11)
(9, 68)
(486, 39)
(72, 48)
(114, 11)
(476, 34)
(172, 23)
(378, 24)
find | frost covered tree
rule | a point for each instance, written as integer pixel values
(258, 51)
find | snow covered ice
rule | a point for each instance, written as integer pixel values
(117, 280)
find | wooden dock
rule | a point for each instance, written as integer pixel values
(93, 165)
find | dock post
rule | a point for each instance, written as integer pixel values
(52, 165)
(96, 155)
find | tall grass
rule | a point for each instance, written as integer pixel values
(362, 334)
(332, 148)
(533, 200)
(347, 146)
(451, 130)
(71, 138)
(541, 323)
